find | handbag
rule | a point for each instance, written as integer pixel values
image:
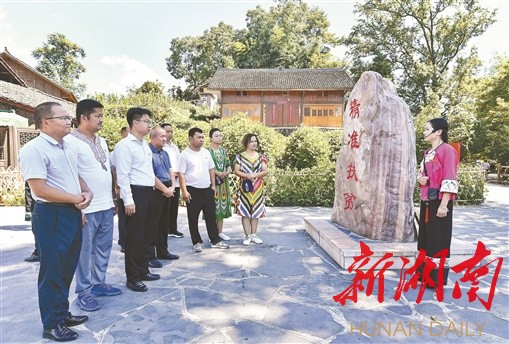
(432, 192)
(247, 185)
(219, 180)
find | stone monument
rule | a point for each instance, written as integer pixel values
(376, 167)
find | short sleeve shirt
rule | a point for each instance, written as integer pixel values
(56, 162)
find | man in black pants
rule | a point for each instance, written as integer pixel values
(197, 182)
(174, 154)
(136, 179)
(157, 238)
(29, 209)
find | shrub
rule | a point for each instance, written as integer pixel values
(234, 129)
(12, 188)
(305, 148)
(307, 187)
(335, 139)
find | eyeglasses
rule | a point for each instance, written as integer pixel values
(63, 118)
(149, 122)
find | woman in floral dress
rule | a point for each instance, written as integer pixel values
(251, 167)
(222, 170)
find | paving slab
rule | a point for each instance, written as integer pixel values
(278, 292)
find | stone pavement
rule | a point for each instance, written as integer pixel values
(277, 292)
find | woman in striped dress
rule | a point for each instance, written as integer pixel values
(250, 204)
(222, 170)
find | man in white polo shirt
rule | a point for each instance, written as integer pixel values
(94, 167)
(197, 182)
(49, 164)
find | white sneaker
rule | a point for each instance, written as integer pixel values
(256, 239)
(224, 236)
(220, 245)
(198, 247)
(247, 240)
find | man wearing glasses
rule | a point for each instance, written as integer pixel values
(49, 165)
(136, 179)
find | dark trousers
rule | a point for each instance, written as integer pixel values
(435, 235)
(29, 208)
(58, 237)
(156, 238)
(121, 222)
(135, 264)
(202, 200)
(174, 211)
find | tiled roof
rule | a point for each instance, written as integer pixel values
(281, 79)
(31, 97)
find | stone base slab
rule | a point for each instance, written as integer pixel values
(343, 245)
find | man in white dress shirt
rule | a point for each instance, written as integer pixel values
(136, 179)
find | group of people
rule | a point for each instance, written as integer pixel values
(77, 186)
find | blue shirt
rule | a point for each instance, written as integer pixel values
(160, 163)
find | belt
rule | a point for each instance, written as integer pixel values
(55, 204)
(141, 187)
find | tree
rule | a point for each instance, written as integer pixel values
(291, 34)
(152, 87)
(492, 113)
(195, 59)
(59, 60)
(425, 43)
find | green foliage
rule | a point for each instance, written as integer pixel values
(234, 129)
(492, 114)
(59, 60)
(307, 187)
(472, 187)
(305, 148)
(335, 139)
(111, 129)
(195, 59)
(164, 110)
(153, 87)
(425, 43)
(290, 34)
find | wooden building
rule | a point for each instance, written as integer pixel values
(284, 98)
(22, 88)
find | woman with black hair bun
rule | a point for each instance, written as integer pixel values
(438, 188)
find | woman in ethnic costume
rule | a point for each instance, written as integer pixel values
(438, 171)
(222, 170)
(251, 165)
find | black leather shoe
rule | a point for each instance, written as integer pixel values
(60, 334)
(154, 263)
(34, 257)
(75, 320)
(150, 277)
(169, 256)
(136, 286)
